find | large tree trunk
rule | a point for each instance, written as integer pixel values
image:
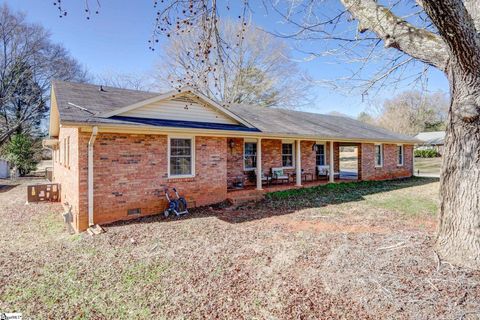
(458, 239)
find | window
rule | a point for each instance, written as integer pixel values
(378, 155)
(287, 155)
(67, 163)
(65, 152)
(320, 153)
(181, 157)
(400, 155)
(250, 155)
(60, 147)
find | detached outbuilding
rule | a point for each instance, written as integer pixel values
(4, 169)
(431, 140)
(115, 150)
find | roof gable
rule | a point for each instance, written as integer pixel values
(180, 105)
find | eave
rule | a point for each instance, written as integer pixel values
(145, 129)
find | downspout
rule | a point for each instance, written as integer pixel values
(90, 175)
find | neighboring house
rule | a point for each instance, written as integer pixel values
(431, 140)
(4, 169)
(115, 150)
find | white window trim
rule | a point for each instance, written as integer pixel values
(403, 155)
(292, 142)
(245, 141)
(381, 155)
(192, 146)
(324, 153)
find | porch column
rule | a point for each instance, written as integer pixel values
(331, 170)
(298, 164)
(259, 164)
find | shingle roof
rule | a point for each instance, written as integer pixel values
(283, 121)
(432, 138)
(90, 97)
(273, 121)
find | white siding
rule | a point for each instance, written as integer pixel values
(180, 109)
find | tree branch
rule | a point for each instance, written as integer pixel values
(457, 28)
(473, 9)
(398, 33)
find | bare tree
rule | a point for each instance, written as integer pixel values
(439, 34)
(410, 112)
(132, 81)
(255, 68)
(366, 117)
(28, 63)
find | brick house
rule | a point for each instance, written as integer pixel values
(115, 150)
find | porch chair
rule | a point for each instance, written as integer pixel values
(266, 179)
(323, 172)
(279, 175)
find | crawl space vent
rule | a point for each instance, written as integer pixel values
(134, 211)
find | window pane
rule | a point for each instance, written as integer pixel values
(287, 161)
(250, 162)
(250, 148)
(400, 155)
(378, 155)
(320, 155)
(287, 148)
(180, 165)
(250, 155)
(180, 147)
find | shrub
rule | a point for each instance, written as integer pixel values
(426, 153)
(20, 152)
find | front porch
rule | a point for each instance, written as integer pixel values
(262, 162)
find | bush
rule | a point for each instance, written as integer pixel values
(20, 152)
(426, 153)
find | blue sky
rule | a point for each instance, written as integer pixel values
(116, 41)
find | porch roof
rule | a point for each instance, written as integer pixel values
(80, 103)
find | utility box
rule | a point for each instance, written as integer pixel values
(48, 192)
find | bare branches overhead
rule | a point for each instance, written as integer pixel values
(398, 33)
(257, 69)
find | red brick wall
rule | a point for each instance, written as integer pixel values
(130, 171)
(390, 168)
(309, 157)
(67, 173)
(336, 156)
(272, 154)
(235, 160)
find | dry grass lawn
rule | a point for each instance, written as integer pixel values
(428, 166)
(346, 251)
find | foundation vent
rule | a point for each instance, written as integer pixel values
(134, 211)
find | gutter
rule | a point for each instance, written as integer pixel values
(117, 128)
(90, 175)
